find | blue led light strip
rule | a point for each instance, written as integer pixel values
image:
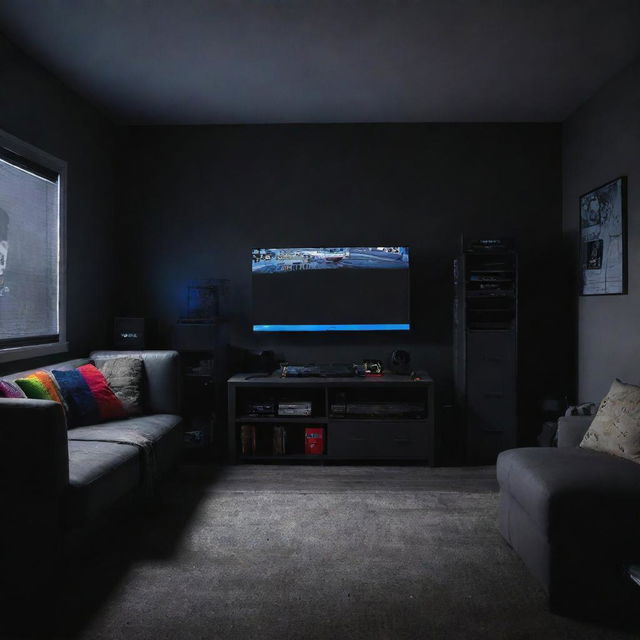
(331, 327)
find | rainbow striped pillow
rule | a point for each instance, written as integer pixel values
(40, 385)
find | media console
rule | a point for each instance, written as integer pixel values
(385, 418)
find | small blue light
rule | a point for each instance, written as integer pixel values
(331, 327)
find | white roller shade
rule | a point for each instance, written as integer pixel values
(30, 251)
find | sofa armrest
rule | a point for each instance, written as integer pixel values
(33, 446)
(571, 430)
(34, 475)
(163, 377)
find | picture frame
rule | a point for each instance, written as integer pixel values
(603, 239)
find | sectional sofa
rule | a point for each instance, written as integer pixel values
(55, 481)
(573, 516)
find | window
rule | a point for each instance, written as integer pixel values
(32, 318)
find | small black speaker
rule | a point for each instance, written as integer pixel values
(130, 333)
(401, 362)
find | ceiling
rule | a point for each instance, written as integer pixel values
(272, 61)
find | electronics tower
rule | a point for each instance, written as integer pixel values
(485, 318)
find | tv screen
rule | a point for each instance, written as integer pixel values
(331, 289)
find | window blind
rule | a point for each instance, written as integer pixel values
(29, 252)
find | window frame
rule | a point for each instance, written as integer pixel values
(36, 156)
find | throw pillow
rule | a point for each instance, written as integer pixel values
(125, 375)
(50, 384)
(35, 388)
(41, 385)
(10, 390)
(82, 406)
(109, 405)
(616, 427)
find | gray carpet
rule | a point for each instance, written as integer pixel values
(315, 552)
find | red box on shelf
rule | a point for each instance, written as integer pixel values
(314, 441)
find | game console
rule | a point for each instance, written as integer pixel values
(262, 408)
(294, 408)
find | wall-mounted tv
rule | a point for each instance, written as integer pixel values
(331, 289)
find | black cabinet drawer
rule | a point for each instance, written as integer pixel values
(372, 439)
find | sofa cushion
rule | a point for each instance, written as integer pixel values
(571, 430)
(616, 427)
(62, 366)
(100, 474)
(163, 430)
(574, 492)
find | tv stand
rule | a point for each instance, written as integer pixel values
(371, 418)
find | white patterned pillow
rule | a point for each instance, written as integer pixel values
(616, 427)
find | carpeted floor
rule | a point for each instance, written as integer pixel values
(263, 552)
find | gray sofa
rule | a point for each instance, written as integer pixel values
(54, 482)
(573, 516)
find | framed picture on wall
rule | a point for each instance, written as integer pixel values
(603, 239)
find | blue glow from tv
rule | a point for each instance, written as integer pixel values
(332, 327)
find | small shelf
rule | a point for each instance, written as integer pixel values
(282, 419)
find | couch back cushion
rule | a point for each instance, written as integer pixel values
(616, 427)
(60, 366)
(161, 379)
(162, 375)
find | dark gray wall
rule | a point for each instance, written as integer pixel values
(601, 141)
(194, 200)
(38, 109)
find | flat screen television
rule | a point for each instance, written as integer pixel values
(331, 289)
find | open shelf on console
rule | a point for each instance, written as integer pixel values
(281, 438)
(274, 403)
(378, 403)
